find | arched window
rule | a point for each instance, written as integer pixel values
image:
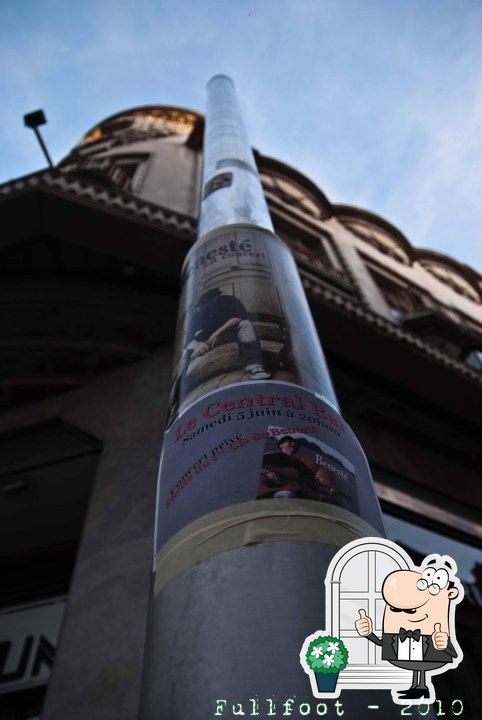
(355, 582)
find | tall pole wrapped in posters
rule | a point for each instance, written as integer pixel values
(261, 479)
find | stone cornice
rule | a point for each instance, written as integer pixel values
(59, 183)
(341, 302)
(270, 166)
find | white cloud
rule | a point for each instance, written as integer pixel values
(438, 196)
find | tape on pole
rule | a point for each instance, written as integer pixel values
(248, 524)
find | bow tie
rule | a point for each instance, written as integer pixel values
(404, 634)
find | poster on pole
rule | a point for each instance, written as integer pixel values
(252, 413)
(257, 441)
(243, 316)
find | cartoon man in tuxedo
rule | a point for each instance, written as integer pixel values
(418, 624)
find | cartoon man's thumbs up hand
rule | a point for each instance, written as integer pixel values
(439, 639)
(364, 625)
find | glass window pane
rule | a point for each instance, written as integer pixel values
(357, 650)
(354, 576)
(349, 612)
(384, 565)
(420, 542)
(379, 610)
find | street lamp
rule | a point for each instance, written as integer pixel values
(33, 120)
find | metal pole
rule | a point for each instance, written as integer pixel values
(228, 161)
(43, 146)
(261, 479)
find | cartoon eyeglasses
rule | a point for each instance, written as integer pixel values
(434, 579)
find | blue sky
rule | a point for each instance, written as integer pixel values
(378, 101)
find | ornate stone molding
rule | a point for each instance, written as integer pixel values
(320, 293)
(85, 190)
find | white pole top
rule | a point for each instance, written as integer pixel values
(231, 191)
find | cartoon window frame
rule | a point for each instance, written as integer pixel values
(383, 676)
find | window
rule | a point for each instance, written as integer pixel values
(123, 171)
(419, 542)
(316, 254)
(45, 483)
(401, 298)
(474, 360)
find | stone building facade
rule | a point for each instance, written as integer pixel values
(91, 258)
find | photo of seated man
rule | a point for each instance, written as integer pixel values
(218, 318)
(285, 475)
